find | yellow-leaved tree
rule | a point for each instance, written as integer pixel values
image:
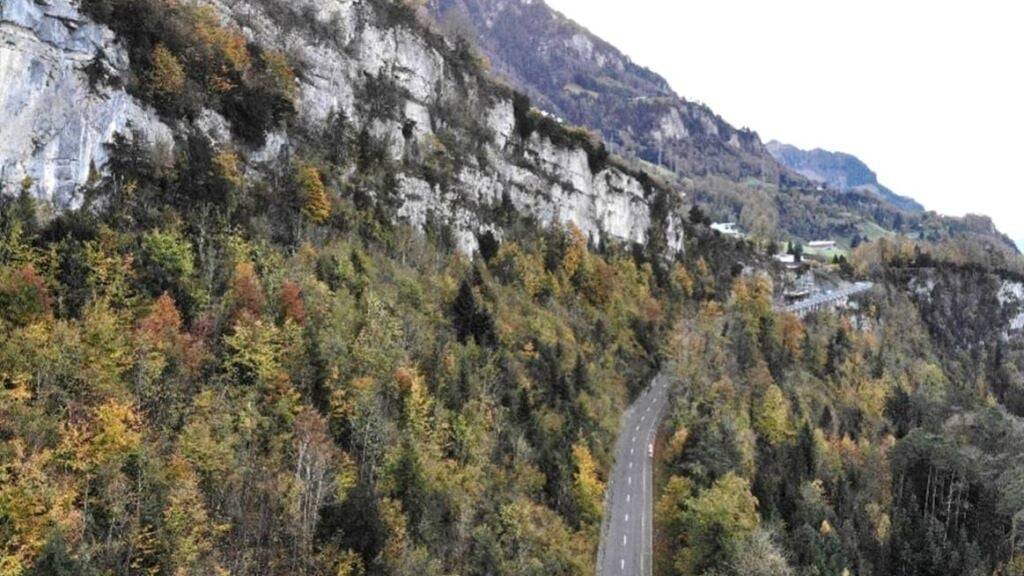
(587, 487)
(167, 76)
(715, 523)
(316, 205)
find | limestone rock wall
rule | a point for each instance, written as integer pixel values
(56, 122)
(53, 124)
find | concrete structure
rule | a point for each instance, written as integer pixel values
(825, 300)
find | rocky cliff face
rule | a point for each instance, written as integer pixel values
(573, 74)
(345, 51)
(1012, 296)
(56, 110)
(839, 171)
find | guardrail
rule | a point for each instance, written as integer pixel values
(825, 299)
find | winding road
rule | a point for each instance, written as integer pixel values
(626, 535)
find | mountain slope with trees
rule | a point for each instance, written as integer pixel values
(843, 172)
(368, 312)
(573, 74)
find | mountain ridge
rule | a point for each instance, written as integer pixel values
(840, 170)
(448, 140)
(575, 74)
(571, 73)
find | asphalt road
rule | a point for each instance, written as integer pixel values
(626, 535)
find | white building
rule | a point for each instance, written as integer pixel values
(822, 244)
(727, 228)
(785, 258)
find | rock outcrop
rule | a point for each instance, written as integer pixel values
(1012, 298)
(60, 121)
(59, 100)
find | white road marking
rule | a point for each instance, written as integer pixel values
(629, 480)
(622, 564)
(630, 465)
(648, 409)
(634, 439)
(627, 502)
(623, 539)
(642, 418)
(630, 451)
(627, 518)
(637, 427)
(643, 520)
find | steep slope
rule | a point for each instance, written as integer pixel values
(57, 111)
(275, 80)
(572, 73)
(838, 170)
(254, 341)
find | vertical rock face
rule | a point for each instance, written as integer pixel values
(343, 48)
(554, 184)
(1012, 297)
(55, 121)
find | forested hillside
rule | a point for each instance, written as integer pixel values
(319, 314)
(884, 441)
(299, 288)
(183, 392)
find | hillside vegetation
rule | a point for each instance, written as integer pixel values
(884, 441)
(380, 341)
(298, 387)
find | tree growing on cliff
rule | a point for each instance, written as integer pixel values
(316, 205)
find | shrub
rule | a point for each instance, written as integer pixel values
(437, 164)
(246, 290)
(24, 297)
(292, 306)
(227, 168)
(278, 75)
(167, 77)
(525, 124)
(167, 261)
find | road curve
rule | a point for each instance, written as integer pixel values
(626, 534)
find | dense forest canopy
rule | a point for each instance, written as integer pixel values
(886, 440)
(223, 362)
(287, 383)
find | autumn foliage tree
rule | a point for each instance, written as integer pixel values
(316, 204)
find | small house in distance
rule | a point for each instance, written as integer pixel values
(822, 244)
(788, 261)
(727, 228)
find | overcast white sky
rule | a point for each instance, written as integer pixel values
(929, 94)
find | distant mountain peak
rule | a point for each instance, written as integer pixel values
(574, 74)
(839, 170)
